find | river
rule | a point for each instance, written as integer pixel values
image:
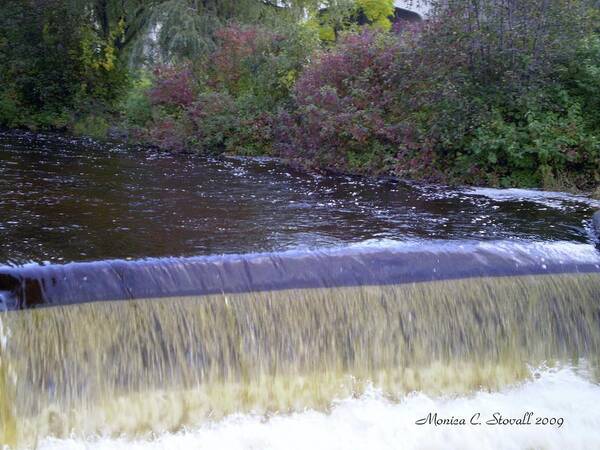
(175, 301)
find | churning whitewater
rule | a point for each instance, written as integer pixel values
(373, 422)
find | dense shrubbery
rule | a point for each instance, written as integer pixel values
(511, 108)
(500, 95)
(487, 91)
(230, 103)
(347, 111)
(55, 68)
(484, 92)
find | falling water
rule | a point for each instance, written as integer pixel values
(148, 365)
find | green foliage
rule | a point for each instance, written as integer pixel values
(53, 61)
(535, 148)
(187, 27)
(259, 63)
(67, 58)
(368, 160)
(377, 12)
(581, 77)
(94, 126)
(9, 108)
(247, 78)
(337, 16)
(510, 91)
(485, 91)
(136, 106)
(215, 120)
(46, 119)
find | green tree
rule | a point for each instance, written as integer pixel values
(50, 57)
(377, 12)
(60, 58)
(336, 16)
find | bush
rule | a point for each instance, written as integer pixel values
(536, 150)
(46, 119)
(259, 66)
(168, 133)
(136, 106)
(349, 113)
(214, 120)
(498, 113)
(228, 105)
(173, 87)
(171, 94)
(92, 125)
(9, 109)
(481, 93)
(580, 77)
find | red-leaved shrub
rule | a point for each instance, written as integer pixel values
(349, 113)
(173, 87)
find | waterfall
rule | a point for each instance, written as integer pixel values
(130, 348)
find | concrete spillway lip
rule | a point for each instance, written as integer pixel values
(34, 286)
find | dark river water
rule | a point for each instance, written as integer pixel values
(65, 200)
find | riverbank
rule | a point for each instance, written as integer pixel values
(446, 100)
(120, 137)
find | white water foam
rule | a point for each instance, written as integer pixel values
(558, 251)
(557, 200)
(372, 422)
